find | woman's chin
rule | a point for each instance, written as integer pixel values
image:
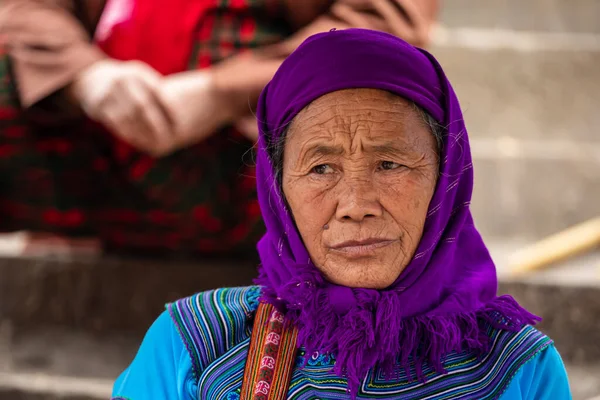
(361, 276)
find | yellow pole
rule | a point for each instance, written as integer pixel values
(568, 243)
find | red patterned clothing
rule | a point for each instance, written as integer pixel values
(73, 178)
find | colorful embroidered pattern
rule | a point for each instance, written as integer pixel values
(315, 360)
(270, 357)
(468, 377)
(212, 323)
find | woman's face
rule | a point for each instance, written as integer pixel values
(360, 168)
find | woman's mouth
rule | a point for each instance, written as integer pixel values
(361, 248)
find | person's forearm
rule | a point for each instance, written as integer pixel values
(240, 80)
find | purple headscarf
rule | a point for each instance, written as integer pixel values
(439, 302)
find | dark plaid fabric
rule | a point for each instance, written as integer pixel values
(75, 179)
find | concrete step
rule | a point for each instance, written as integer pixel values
(539, 15)
(16, 386)
(104, 295)
(546, 95)
(62, 364)
(565, 295)
(529, 199)
(570, 316)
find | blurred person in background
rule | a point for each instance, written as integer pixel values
(130, 120)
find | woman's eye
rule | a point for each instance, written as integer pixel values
(322, 169)
(389, 165)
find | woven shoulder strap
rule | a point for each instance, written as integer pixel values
(271, 356)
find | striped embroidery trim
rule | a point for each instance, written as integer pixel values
(467, 377)
(483, 379)
(210, 323)
(270, 357)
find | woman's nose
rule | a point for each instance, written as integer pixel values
(358, 200)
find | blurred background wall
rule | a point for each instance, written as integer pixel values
(528, 79)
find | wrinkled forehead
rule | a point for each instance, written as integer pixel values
(345, 99)
(360, 119)
(348, 108)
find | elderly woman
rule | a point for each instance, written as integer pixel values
(374, 281)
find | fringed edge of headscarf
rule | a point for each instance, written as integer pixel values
(370, 336)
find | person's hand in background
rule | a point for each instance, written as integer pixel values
(127, 97)
(156, 114)
(403, 18)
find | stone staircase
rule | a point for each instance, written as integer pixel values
(528, 77)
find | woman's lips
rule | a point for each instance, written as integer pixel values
(361, 248)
